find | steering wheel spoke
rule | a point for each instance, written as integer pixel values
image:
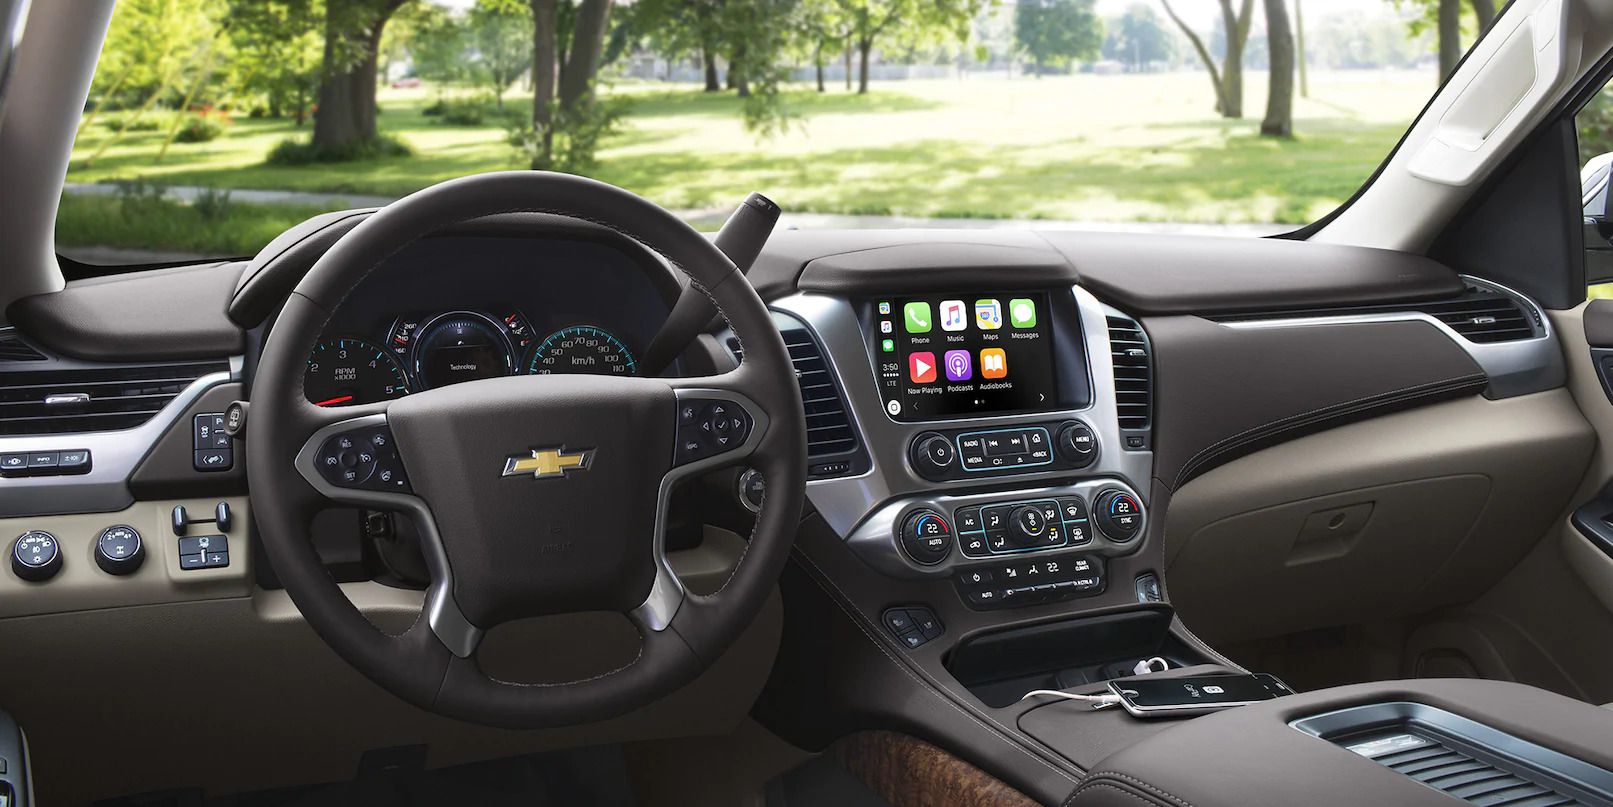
(352, 459)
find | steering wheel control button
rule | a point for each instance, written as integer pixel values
(204, 552)
(211, 444)
(1119, 515)
(708, 428)
(927, 537)
(118, 550)
(362, 458)
(1033, 582)
(912, 626)
(36, 556)
(1077, 444)
(751, 489)
(932, 455)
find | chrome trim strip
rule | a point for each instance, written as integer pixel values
(114, 455)
(442, 613)
(667, 592)
(1515, 368)
(845, 502)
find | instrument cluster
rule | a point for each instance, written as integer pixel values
(437, 349)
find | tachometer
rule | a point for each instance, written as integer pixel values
(582, 349)
(343, 372)
(460, 346)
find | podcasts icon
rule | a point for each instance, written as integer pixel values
(958, 365)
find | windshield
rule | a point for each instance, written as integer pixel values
(213, 125)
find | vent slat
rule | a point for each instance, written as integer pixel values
(1133, 372)
(1465, 777)
(14, 349)
(829, 430)
(108, 398)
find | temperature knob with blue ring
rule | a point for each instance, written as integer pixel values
(926, 537)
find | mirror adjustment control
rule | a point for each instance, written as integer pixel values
(933, 456)
(926, 537)
(1119, 515)
(1077, 444)
(36, 556)
(119, 550)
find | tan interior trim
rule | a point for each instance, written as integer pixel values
(908, 772)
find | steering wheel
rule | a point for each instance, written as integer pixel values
(533, 495)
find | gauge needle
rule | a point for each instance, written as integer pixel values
(334, 401)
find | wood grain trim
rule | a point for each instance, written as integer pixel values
(908, 772)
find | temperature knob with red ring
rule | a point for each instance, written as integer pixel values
(1119, 515)
(926, 537)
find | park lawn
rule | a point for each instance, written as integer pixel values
(1098, 148)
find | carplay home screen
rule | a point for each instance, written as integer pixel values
(963, 354)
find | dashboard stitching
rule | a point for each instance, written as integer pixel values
(1320, 414)
(1100, 780)
(821, 577)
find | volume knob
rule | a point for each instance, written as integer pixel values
(933, 456)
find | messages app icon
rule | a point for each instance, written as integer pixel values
(916, 316)
(1022, 313)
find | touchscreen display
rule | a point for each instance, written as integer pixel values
(959, 354)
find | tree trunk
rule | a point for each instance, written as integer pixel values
(1485, 11)
(1237, 26)
(817, 62)
(710, 60)
(346, 114)
(545, 63)
(1450, 37)
(587, 47)
(848, 62)
(1279, 120)
(1299, 48)
(864, 45)
(1204, 56)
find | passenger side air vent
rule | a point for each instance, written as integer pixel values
(101, 398)
(14, 349)
(1481, 314)
(832, 445)
(1133, 364)
(1456, 774)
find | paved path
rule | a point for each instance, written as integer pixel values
(708, 219)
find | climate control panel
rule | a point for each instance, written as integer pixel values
(1076, 526)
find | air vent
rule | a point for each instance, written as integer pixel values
(1481, 315)
(1457, 774)
(103, 398)
(1128, 349)
(14, 349)
(830, 434)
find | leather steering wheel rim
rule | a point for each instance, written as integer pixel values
(429, 664)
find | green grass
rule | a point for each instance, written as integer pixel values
(108, 221)
(1106, 148)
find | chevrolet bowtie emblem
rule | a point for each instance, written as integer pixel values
(548, 462)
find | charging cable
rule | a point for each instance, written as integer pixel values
(1152, 665)
(1097, 701)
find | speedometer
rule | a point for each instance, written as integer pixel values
(343, 372)
(582, 349)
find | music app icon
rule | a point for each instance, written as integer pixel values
(954, 315)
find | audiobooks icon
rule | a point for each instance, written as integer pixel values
(993, 363)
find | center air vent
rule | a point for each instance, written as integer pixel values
(1128, 350)
(832, 445)
(104, 398)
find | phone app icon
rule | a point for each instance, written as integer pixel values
(993, 363)
(959, 364)
(916, 316)
(921, 368)
(1022, 313)
(988, 315)
(954, 315)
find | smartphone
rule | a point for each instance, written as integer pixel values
(1145, 696)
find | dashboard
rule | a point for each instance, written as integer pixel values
(453, 309)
